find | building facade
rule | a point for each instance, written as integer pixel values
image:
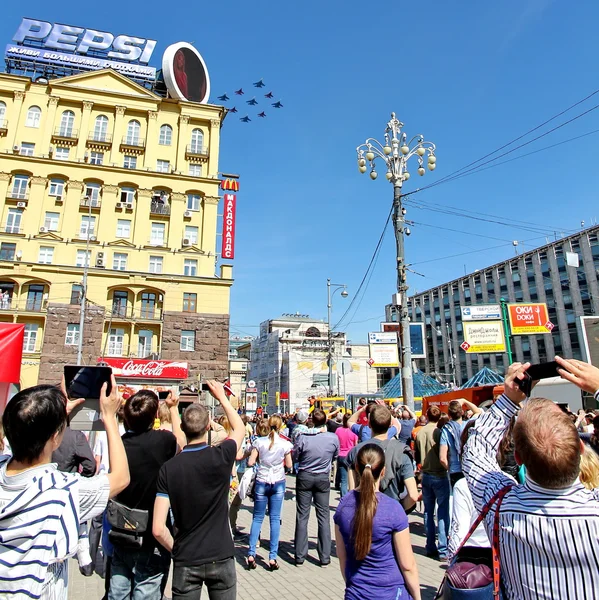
(541, 275)
(289, 363)
(96, 168)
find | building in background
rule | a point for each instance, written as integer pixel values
(563, 273)
(96, 160)
(289, 363)
(239, 367)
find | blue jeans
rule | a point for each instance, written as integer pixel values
(271, 495)
(435, 490)
(137, 574)
(342, 469)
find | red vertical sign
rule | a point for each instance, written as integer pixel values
(228, 249)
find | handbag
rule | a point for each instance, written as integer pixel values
(247, 483)
(127, 524)
(465, 580)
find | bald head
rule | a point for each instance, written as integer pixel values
(547, 443)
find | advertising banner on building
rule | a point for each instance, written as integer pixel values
(589, 328)
(483, 337)
(147, 369)
(527, 319)
(481, 312)
(417, 337)
(228, 248)
(384, 355)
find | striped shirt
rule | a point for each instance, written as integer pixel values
(549, 539)
(40, 512)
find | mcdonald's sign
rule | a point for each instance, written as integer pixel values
(230, 185)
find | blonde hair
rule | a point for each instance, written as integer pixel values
(275, 423)
(589, 468)
(225, 423)
(164, 413)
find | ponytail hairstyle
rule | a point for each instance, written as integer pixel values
(275, 424)
(370, 463)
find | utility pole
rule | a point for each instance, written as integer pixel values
(344, 294)
(83, 299)
(506, 330)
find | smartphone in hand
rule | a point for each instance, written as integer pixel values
(86, 382)
(535, 373)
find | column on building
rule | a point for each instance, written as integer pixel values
(150, 157)
(591, 272)
(17, 116)
(182, 141)
(540, 283)
(142, 210)
(4, 184)
(50, 124)
(523, 272)
(36, 199)
(74, 193)
(209, 217)
(558, 301)
(110, 196)
(84, 131)
(212, 166)
(118, 134)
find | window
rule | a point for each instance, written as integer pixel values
(30, 337)
(197, 141)
(190, 267)
(81, 256)
(101, 128)
(34, 114)
(56, 187)
(119, 303)
(133, 130)
(163, 166)
(51, 221)
(157, 238)
(76, 292)
(96, 158)
(13, 220)
(2, 114)
(127, 195)
(155, 264)
(61, 153)
(119, 261)
(189, 302)
(188, 340)
(148, 305)
(166, 135)
(88, 226)
(7, 251)
(92, 191)
(116, 341)
(123, 228)
(191, 233)
(130, 162)
(144, 346)
(195, 170)
(193, 201)
(72, 337)
(26, 149)
(35, 297)
(46, 255)
(66, 123)
(20, 183)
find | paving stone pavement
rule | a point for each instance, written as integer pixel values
(310, 581)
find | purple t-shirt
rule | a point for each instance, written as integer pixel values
(380, 567)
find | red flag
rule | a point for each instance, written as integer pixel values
(11, 350)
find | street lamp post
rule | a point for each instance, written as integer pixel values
(344, 294)
(395, 154)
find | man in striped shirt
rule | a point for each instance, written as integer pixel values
(549, 527)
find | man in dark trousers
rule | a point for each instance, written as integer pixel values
(314, 453)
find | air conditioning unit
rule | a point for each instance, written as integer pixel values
(186, 242)
(16, 149)
(129, 206)
(99, 262)
(187, 213)
(100, 254)
(43, 230)
(21, 204)
(119, 205)
(160, 297)
(59, 200)
(93, 238)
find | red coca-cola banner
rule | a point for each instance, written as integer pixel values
(228, 249)
(147, 369)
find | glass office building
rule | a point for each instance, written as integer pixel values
(547, 274)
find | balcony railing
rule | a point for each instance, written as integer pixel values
(66, 133)
(160, 208)
(99, 138)
(147, 313)
(93, 202)
(12, 229)
(195, 150)
(17, 195)
(24, 305)
(133, 143)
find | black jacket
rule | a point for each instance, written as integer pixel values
(73, 452)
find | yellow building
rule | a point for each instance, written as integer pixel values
(96, 161)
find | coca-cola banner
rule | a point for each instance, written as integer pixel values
(228, 250)
(147, 369)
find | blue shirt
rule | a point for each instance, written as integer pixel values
(451, 437)
(365, 433)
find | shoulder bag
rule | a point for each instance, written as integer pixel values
(465, 580)
(127, 525)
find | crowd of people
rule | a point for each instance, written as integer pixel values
(163, 489)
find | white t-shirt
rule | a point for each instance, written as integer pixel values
(271, 465)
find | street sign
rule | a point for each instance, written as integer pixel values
(483, 337)
(382, 337)
(384, 355)
(251, 383)
(526, 319)
(344, 367)
(481, 312)
(370, 362)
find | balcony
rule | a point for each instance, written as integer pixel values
(18, 195)
(93, 203)
(65, 136)
(13, 229)
(160, 208)
(131, 145)
(195, 152)
(128, 313)
(99, 140)
(34, 305)
(3, 127)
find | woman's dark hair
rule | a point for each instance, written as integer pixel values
(141, 411)
(370, 463)
(464, 436)
(345, 420)
(31, 418)
(506, 451)
(443, 420)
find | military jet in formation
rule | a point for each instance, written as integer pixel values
(253, 101)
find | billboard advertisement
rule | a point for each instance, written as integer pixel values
(527, 319)
(384, 355)
(589, 328)
(147, 369)
(417, 337)
(228, 248)
(185, 73)
(481, 312)
(483, 337)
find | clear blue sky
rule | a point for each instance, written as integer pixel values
(468, 75)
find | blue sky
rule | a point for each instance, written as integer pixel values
(468, 75)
